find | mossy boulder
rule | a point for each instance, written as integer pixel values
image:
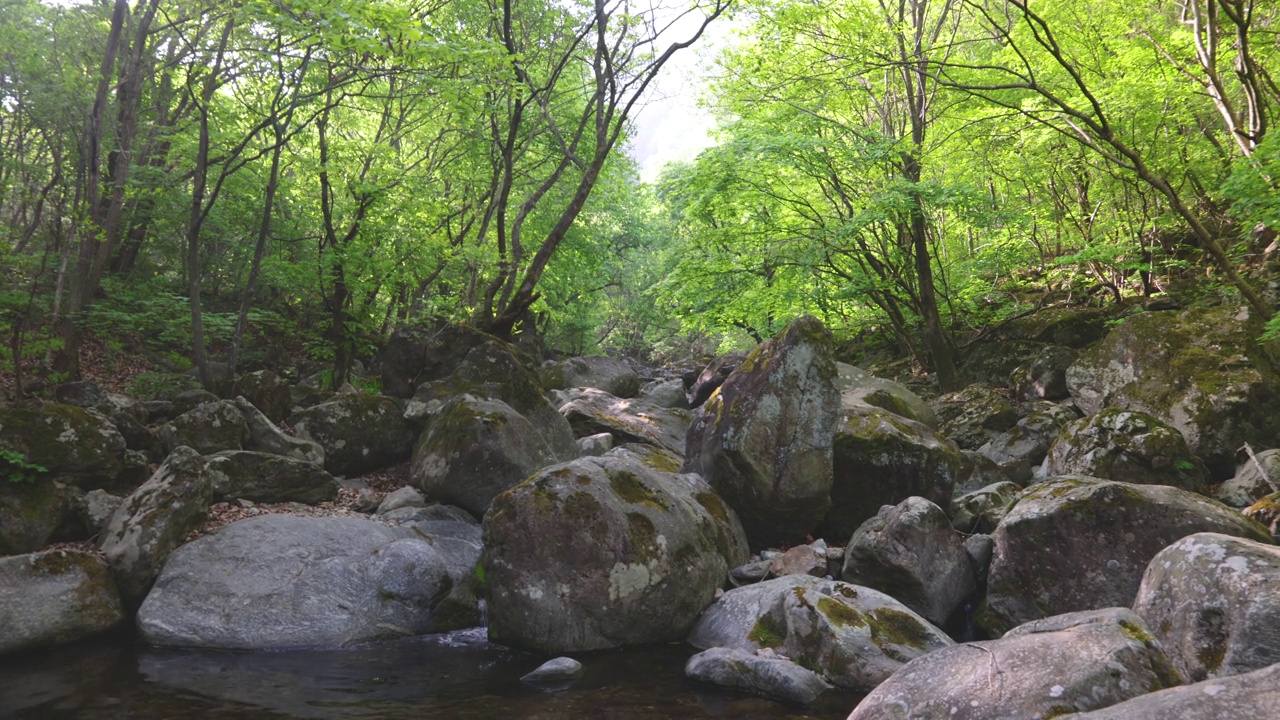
(1128, 446)
(417, 354)
(1073, 327)
(267, 478)
(701, 384)
(667, 393)
(593, 371)
(764, 438)
(359, 433)
(265, 436)
(859, 387)
(75, 444)
(1252, 695)
(605, 552)
(994, 363)
(881, 458)
(55, 597)
(972, 417)
(1076, 543)
(475, 449)
(1256, 477)
(772, 676)
(591, 411)
(854, 636)
(1266, 512)
(1045, 669)
(1200, 371)
(154, 520)
(207, 428)
(268, 392)
(1214, 602)
(982, 510)
(1045, 378)
(1020, 450)
(910, 552)
(35, 514)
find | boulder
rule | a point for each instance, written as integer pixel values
(1252, 695)
(34, 514)
(405, 497)
(1076, 543)
(1200, 371)
(458, 538)
(359, 433)
(415, 354)
(1044, 669)
(859, 387)
(1127, 446)
(184, 401)
(54, 597)
(1255, 478)
(595, 445)
(1214, 602)
(910, 552)
(266, 391)
(96, 508)
(593, 371)
(208, 428)
(75, 444)
(1074, 327)
(475, 449)
(1267, 513)
(604, 552)
(267, 478)
(855, 636)
(711, 377)
(764, 438)
(1020, 450)
(974, 416)
(982, 510)
(155, 519)
(772, 676)
(882, 459)
(977, 472)
(283, 581)
(665, 393)
(265, 436)
(555, 674)
(81, 393)
(590, 411)
(1046, 377)
(993, 364)
(799, 560)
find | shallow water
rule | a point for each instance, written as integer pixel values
(457, 675)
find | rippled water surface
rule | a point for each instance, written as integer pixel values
(458, 675)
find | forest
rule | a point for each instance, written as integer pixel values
(238, 185)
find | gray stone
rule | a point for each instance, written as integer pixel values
(612, 376)
(772, 676)
(1214, 602)
(590, 411)
(799, 560)
(359, 433)
(556, 673)
(266, 392)
(982, 510)
(1252, 695)
(1022, 448)
(974, 416)
(859, 387)
(1060, 665)
(96, 508)
(207, 428)
(1255, 478)
(665, 393)
(595, 445)
(34, 514)
(265, 436)
(405, 497)
(267, 478)
(1046, 377)
(53, 597)
(1127, 446)
(77, 445)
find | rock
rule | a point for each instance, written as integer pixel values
(982, 510)
(881, 459)
(712, 377)
(910, 552)
(974, 416)
(475, 449)
(187, 400)
(590, 412)
(77, 445)
(414, 355)
(593, 371)
(771, 676)
(82, 393)
(208, 428)
(855, 636)
(54, 597)
(1198, 370)
(595, 445)
(155, 519)
(457, 537)
(1074, 327)
(405, 497)
(980, 549)
(433, 511)
(266, 392)
(359, 433)
(96, 508)
(282, 581)
(1046, 377)
(764, 438)
(137, 436)
(859, 387)
(992, 364)
(665, 393)
(266, 478)
(1267, 513)
(1127, 446)
(1214, 602)
(624, 555)
(1255, 478)
(556, 674)
(977, 472)
(1252, 695)
(799, 560)
(1044, 669)
(265, 436)
(1021, 449)
(751, 572)
(1077, 543)
(35, 514)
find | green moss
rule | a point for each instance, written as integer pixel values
(1166, 675)
(642, 539)
(895, 627)
(630, 488)
(767, 632)
(839, 614)
(583, 507)
(1211, 656)
(1058, 711)
(57, 562)
(1135, 631)
(712, 503)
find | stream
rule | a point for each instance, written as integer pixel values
(454, 675)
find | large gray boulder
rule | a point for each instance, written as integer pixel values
(1127, 446)
(628, 420)
(34, 514)
(710, 378)
(1021, 449)
(265, 436)
(154, 520)
(974, 416)
(475, 449)
(1046, 377)
(593, 371)
(414, 355)
(1252, 695)
(1214, 601)
(982, 510)
(359, 433)
(266, 391)
(208, 428)
(1200, 371)
(910, 552)
(1045, 669)
(764, 438)
(267, 478)
(880, 458)
(665, 393)
(75, 444)
(1077, 543)
(771, 675)
(859, 387)
(283, 581)
(1257, 477)
(855, 636)
(54, 597)
(604, 552)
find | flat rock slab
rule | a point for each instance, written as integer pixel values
(772, 675)
(1252, 695)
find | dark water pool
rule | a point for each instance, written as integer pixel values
(458, 675)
